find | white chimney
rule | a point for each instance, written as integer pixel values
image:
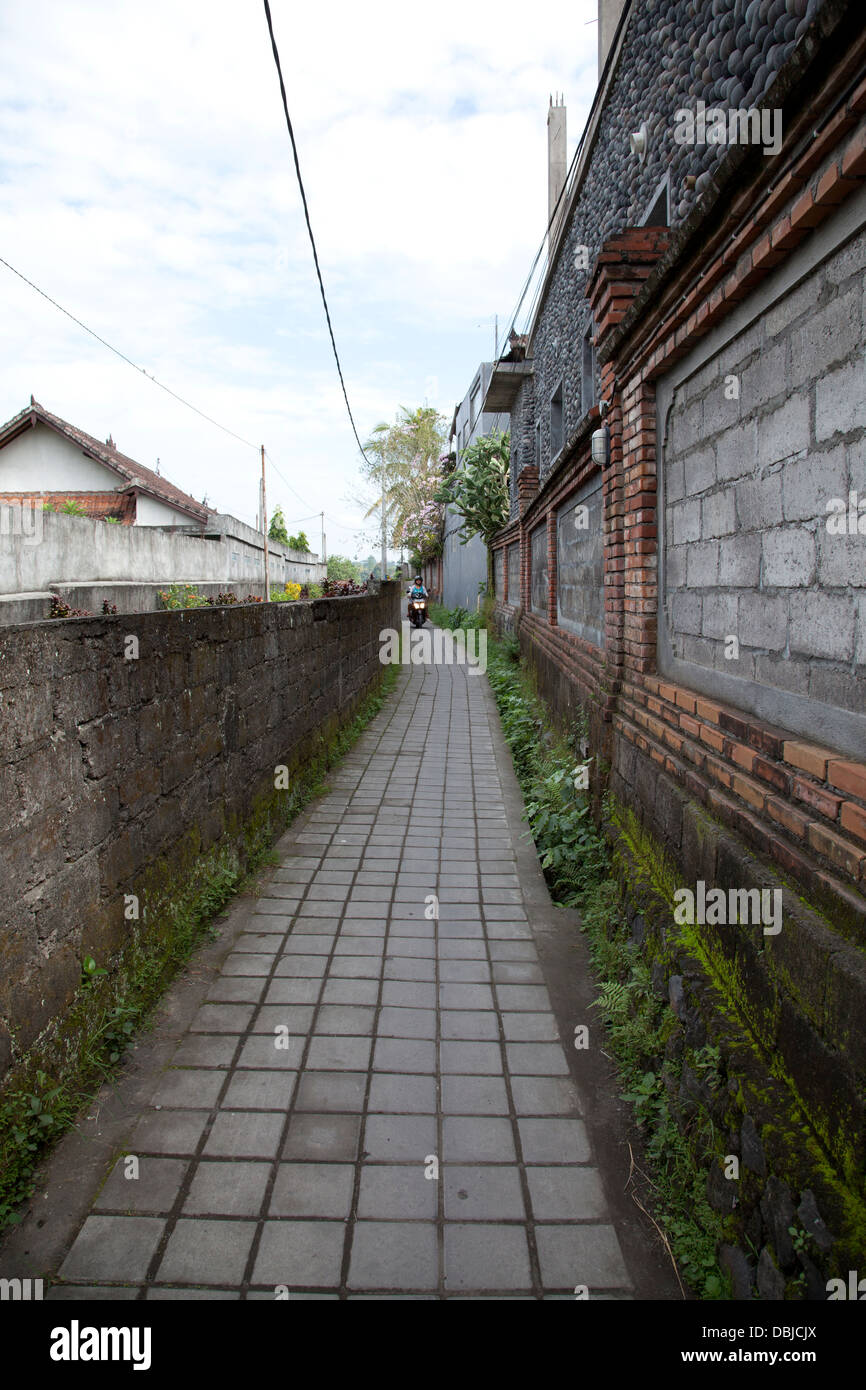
(556, 163)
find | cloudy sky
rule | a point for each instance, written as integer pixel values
(146, 183)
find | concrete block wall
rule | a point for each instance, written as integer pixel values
(111, 765)
(767, 435)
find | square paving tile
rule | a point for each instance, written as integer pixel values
(222, 1018)
(474, 1095)
(305, 1253)
(235, 990)
(570, 1255)
(345, 1053)
(388, 1138)
(394, 1255)
(566, 1194)
(207, 1252)
(117, 1249)
(354, 1019)
(404, 1055)
(478, 1139)
(323, 1137)
(411, 1094)
(554, 1141)
(536, 1059)
(194, 1089)
(285, 991)
(350, 992)
(457, 996)
(397, 1190)
(544, 1095)
(244, 1134)
(227, 1189)
(395, 1022)
(259, 1090)
(153, 1188)
(313, 1189)
(486, 1257)
(470, 1026)
(168, 1132)
(331, 1090)
(467, 1058)
(409, 968)
(526, 1027)
(206, 1050)
(294, 1017)
(409, 993)
(483, 1193)
(246, 963)
(280, 1052)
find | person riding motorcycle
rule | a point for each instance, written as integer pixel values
(417, 593)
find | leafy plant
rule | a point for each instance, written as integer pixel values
(72, 508)
(277, 529)
(478, 488)
(181, 596)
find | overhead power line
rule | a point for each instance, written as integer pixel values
(309, 225)
(123, 357)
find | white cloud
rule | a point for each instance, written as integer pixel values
(149, 187)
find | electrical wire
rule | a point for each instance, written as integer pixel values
(309, 226)
(124, 358)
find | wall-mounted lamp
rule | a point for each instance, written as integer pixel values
(601, 446)
(639, 142)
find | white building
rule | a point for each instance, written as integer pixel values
(43, 457)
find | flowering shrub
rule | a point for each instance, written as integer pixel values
(181, 596)
(292, 590)
(422, 532)
(341, 588)
(59, 609)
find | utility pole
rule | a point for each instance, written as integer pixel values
(324, 556)
(496, 340)
(265, 533)
(384, 529)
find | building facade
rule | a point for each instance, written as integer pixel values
(464, 567)
(685, 563)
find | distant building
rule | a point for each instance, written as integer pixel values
(464, 567)
(45, 458)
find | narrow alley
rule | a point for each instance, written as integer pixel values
(363, 1089)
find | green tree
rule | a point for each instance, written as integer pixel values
(478, 491)
(277, 529)
(339, 567)
(298, 542)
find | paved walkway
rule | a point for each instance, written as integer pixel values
(370, 1101)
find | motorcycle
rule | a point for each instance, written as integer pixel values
(417, 611)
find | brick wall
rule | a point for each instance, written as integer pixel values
(116, 771)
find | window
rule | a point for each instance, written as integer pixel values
(538, 446)
(588, 395)
(556, 422)
(473, 405)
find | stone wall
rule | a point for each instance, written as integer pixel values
(131, 746)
